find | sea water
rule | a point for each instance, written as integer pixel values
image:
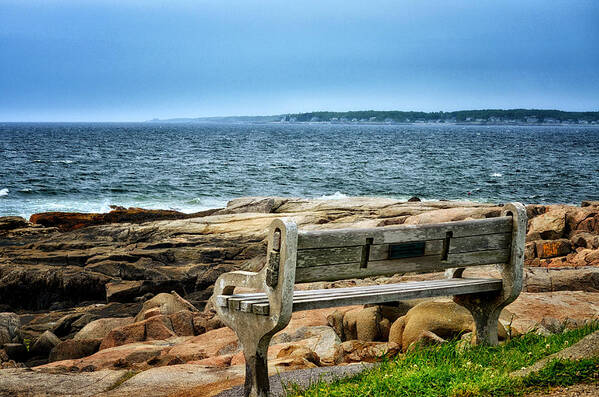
(87, 167)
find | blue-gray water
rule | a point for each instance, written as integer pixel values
(189, 167)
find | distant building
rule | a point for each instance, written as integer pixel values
(388, 120)
(372, 119)
(354, 120)
(315, 119)
(532, 119)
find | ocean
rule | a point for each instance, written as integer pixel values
(86, 167)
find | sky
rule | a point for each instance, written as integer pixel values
(130, 60)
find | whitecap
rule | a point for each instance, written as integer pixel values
(4, 192)
(496, 174)
(334, 196)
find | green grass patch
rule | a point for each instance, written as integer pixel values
(447, 370)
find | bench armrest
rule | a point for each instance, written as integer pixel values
(276, 279)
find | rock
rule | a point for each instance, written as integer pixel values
(585, 240)
(296, 357)
(414, 199)
(444, 319)
(182, 322)
(37, 287)
(553, 248)
(9, 328)
(11, 223)
(44, 344)
(548, 280)
(569, 308)
(548, 226)
(530, 250)
(98, 329)
(74, 348)
(589, 203)
(167, 303)
(360, 351)
(180, 379)
(365, 324)
(205, 321)
(66, 221)
(452, 214)
(123, 291)
(155, 311)
(264, 205)
(16, 351)
(25, 382)
(157, 327)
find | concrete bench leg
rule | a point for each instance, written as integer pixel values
(256, 367)
(485, 315)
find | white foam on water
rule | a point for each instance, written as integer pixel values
(497, 174)
(4, 192)
(334, 196)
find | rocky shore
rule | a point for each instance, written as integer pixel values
(112, 304)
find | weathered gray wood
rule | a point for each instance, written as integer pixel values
(404, 233)
(339, 255)
(328, 256)
(401, 291)
(241, 301)
(381, 268)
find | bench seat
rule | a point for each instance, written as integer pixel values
(257, 303)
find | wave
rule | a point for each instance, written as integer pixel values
(334, 196)
(496, 174)
(4, 192)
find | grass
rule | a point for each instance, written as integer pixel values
(447, 370)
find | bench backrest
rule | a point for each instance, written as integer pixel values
(327, 255)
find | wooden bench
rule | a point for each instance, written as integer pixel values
(304, 256)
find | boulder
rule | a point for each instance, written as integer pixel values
(11, 223)
(263, 205)
(182, 323)
(548, 280)
(296, 357)
(453, 214)
(205, 321)
(74, 348)
(9, 328)
(16, 351)
(157, 327)
(167, 303)
(98, 329)
(549, 226)
(444, 319)
(44, 344)
(25, 382)
(553, 248)
(67, 221)
(567, 308)
(365, 324)
(354, 351)
(585, 240)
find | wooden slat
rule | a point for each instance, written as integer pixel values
(339, 255)
(404, 233)
(242, 301)
(403, 291)
(480, 243)
(328, 256)
(389, 267)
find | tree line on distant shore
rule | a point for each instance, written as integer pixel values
(486, 115)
